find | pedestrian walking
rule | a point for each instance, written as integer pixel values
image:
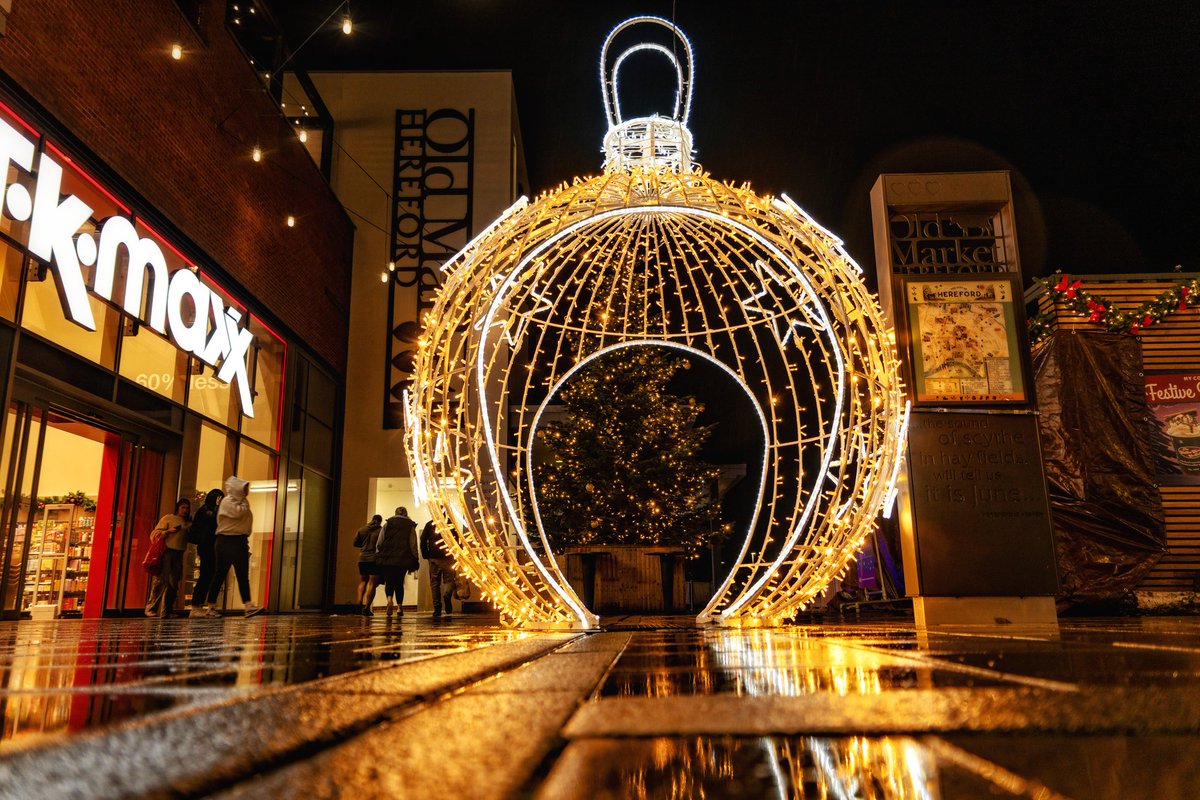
(234, 524)
(396, 555)
(368, 578)
(165, 586)
(441, 569)
(203, 534)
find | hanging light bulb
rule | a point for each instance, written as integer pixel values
(391, 266)
(383, 277)
(303, 135)
(291, 221)
(177, 51)
(347, 25)
(256, 154)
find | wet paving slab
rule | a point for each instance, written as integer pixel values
(892, 768)
(332, 707)
(70, 676)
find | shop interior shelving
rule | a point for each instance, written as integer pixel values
(60, 549)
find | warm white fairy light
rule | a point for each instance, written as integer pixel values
(748, 283)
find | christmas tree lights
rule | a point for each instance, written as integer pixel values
(623, 463)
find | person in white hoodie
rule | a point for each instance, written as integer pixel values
(234, 523)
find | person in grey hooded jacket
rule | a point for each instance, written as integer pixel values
(234, 524)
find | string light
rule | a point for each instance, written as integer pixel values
(347, 24)
(256, 154)
(177, 51)
(654, 253)
(291, 221)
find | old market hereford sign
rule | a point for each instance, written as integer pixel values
(178, 305)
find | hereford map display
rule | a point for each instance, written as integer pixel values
(963, 339)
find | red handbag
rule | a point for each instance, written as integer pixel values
(152, 563)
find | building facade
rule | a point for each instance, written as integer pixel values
(174, 287)
(423, 162)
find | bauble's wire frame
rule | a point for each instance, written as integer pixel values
(655, 253)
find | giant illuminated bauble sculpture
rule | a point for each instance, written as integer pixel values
(655, 253)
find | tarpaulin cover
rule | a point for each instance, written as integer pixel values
(1108, 518)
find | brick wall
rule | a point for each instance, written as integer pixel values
(104, 71)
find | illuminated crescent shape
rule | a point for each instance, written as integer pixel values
(654, 254)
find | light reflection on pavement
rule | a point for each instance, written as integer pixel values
(653, 708)
(72, 675)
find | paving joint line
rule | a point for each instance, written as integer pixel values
(409, 707)
(966, 669)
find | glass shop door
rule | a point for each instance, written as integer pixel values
(65, 519)
(23, 430)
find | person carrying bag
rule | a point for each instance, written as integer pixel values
(169, 540)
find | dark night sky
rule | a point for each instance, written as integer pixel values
(1094, 106)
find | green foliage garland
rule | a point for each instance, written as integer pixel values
(76, 498)
(1101, 311)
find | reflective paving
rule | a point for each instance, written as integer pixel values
(651, 707)
(68, 676)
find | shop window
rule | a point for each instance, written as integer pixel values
(292, 527)
(12, 261)
(318, 446)
(305, 540)
(16, 505)
(211, 397)
(268, 382)
(153, 362)
(313, 536)
(260, 468)
(207, 456)
(299, 422)
(43, 314)
(322, 396)
(298, 380)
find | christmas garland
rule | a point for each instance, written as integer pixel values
(77, 498)
(1103, 312)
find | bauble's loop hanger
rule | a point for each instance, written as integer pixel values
(680, 59)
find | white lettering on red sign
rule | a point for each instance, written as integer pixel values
(179, 305)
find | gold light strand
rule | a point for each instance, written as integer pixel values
(746, 281)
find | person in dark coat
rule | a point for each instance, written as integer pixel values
(441, 569)
(203, 534)
(368, 578)
(395, 556)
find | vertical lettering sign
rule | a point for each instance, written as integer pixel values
(432, 220)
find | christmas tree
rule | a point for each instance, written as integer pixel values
(624, 464)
